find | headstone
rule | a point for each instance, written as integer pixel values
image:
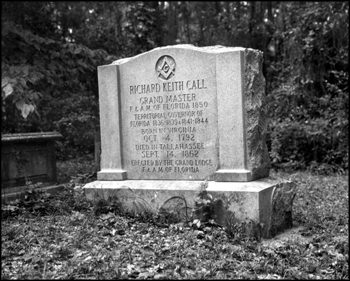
(179, 116)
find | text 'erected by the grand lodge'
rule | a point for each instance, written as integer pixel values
(170, 121)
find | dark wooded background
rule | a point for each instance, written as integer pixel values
(51, 50)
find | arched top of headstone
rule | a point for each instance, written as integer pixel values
(206, 49)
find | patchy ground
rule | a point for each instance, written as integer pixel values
(64, 237)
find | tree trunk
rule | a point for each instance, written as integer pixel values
(251, 23)
(228, 24)
(187, 15)
(171, 26)
(269, 12)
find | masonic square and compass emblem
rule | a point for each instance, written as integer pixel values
(165, 67)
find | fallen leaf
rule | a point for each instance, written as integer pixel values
(87, 258)
(145, 275)
(159, 276)
(148, 251)
(21, 252)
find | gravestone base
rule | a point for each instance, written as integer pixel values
(10, 197)
(265, 203)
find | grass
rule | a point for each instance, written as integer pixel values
(66, 237)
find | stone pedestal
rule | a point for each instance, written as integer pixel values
(250, 202)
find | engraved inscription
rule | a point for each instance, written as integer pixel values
(171, 125)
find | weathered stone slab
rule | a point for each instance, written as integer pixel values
(246, 201)
(255, 115)
(29, 156)
(184, 113)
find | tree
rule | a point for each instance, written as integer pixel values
(309, 98)
(305, 46)
(57, 81)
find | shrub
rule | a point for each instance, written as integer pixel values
(56, 81)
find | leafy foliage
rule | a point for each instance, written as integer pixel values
(68, 241)
(56, 81)
(310, 107)
(47, 65)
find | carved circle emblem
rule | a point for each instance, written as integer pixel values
(165, 67)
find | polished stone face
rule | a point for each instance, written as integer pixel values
(180, 113)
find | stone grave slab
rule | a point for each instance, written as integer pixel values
(27, 158)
